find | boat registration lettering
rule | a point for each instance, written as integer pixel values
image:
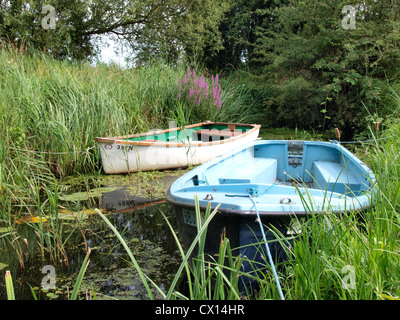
(189, 217)
(125, 148)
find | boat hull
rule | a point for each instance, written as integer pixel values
(324, 177)
(120, 155)
(245, 238)
(240, 228)
(282, 182)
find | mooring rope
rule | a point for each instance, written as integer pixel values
(53, 153)
(362, 141)
(271, 262)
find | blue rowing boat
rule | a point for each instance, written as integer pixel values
(285, 178)
(274, 180)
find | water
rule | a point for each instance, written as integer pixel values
(110, 274)
(133, 204)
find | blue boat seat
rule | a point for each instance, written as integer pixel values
(332, 176)
(253, 170)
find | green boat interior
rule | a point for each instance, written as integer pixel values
(204, 133)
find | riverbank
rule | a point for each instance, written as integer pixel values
(50, 174)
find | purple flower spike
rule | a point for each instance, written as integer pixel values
(199, 91)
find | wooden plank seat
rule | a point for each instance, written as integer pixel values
(215, 134)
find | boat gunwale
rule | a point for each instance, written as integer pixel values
(176, 186)
(236, 212)
(120, 139)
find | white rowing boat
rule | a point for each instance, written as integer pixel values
(174, 147)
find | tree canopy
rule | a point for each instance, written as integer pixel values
(151, 27)
(320, 69)
(314, 63)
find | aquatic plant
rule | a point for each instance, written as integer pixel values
(9, 286)
(50, 112)
(202, 98)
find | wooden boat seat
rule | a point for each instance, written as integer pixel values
(255, 170)
(206, 135)
(331, 176)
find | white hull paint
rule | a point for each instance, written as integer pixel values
(121, 156)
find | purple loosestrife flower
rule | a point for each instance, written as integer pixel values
(198, 92)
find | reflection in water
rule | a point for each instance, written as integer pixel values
(110, 273)
(121, 200)
(150, 241)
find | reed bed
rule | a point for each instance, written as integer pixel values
(51, 111)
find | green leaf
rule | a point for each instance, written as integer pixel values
(6, 230)
(52, 295)
(9, 286)
(3, 265)
(77, 196)
(81, 274)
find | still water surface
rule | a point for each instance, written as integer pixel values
(110, 274)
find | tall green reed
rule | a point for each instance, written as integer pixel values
(352, 255)
(9, 286)
(205, 277)
(204, 220)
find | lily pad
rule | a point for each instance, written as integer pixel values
(6, 230)
(85, 195)
(77, 196)
(52, 295)
(30, 219)
(73, 215)
(104, 189)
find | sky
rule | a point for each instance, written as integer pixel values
(108, 51)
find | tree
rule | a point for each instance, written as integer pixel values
(149, 26)
(192, 33)
(239, 29)
(320, 70)
(55, 31)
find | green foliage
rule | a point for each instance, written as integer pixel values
(21, 22)
(190, 32)
(239, 32)
(153, 29)
(321, 74)
(9, 286)
(243, 99)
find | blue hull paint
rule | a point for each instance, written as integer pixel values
(284, 178)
